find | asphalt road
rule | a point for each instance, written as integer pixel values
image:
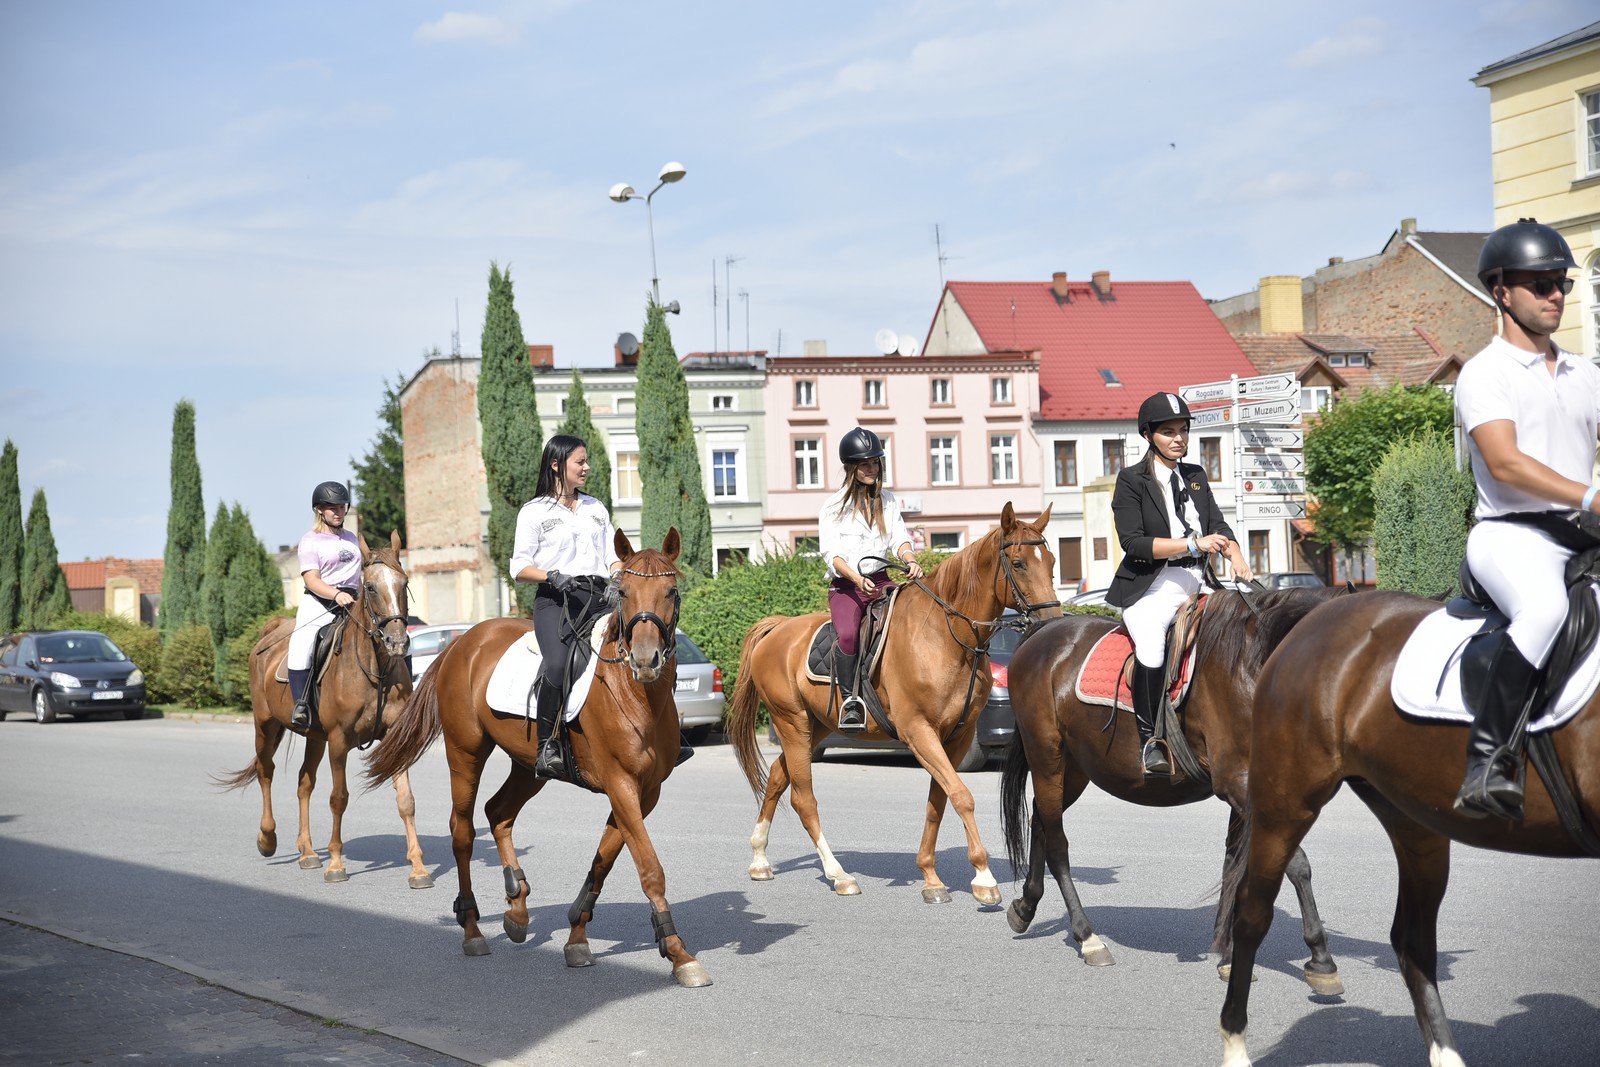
(141, 924)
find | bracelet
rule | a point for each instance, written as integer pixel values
(1194, 546)
(1588, 498)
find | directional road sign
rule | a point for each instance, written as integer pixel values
(1260, 437)
(1272, 461)
(1285, 410)
(1268, 387)
(1268, 485)
(1205, 394)
(1212, 417)
(1272, 509)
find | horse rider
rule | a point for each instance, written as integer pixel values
(1530, 409)
(566, 544)
(860, 521)
(330, 567)
(1167, 522)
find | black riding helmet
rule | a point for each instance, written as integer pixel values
(1526, 245)
(1162, 407)
(328, 494)
(858, 445)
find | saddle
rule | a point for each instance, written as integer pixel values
(330, 639)
(874, 629)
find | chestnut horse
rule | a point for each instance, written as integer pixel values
(361, 693)
(1323, 715)
(932, 677)
(624, 742)
(1066, 744)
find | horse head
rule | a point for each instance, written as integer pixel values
(383, 595)
(647, 591)
(1025, 568)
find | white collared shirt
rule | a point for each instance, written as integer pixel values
(1555, 417)
(854, 538)
(1163, 479)
(554, 538)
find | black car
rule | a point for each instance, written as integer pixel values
(73, 672)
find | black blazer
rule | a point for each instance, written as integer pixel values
(1139, 508)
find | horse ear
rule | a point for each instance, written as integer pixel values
(671, 544)
(366, 553)
(623, 546)
(1044, 520)
(1008, 518)
(394, 541)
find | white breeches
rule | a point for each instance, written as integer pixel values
(1148, 617)
(1525, 572)
(311, 618)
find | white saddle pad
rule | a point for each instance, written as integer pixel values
(511, 684)
(1427, 676)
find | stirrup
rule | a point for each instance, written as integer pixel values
(685, 750)
(1487, 794)
(300, 718)
(1157, 763)
(853, 713)
(549, 762)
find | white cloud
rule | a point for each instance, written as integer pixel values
(461, 26)
(1356, 39)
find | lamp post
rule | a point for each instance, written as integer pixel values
(622, 192)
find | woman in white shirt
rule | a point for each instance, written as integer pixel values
(861, 520)
(330, 566)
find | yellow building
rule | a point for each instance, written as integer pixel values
(1544, 123)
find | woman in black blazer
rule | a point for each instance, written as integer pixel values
(1167, 521)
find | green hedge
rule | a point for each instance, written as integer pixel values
(1422, 511)
(187, 666)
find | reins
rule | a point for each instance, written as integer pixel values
(625, 626)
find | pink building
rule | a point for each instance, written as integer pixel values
(957, 431)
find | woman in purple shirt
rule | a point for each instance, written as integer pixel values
(330, 565)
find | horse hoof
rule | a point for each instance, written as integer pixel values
(1015, 920)
(1325, 985)
(578, 955)
(335, 875)
(311, 862)
(1225, 970)
(475, 946)
(936, 894)
(420, 881)
(266, 844)
(516, 931)
(847, 887)
(1096, 953)
(986, 894)
(692, 975)
(760, 873)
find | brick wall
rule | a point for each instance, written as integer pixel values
(443, 467)
(1399, 292)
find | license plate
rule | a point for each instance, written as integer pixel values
(687, 685)
(107, 694)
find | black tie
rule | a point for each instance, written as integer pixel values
(1178, 497)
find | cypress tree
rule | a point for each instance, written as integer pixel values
(213, 589)
(579, 422)
(508, 412)
(10, 540)
(259, 585)
(45, 597)
(669, 462)
(186, 530)
(379, 484)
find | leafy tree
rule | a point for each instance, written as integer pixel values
(579, 423)
(44, 587)
(509, 414)
(1345, 445)
(11, 539)
(1424, 509)
(219, 547)
(380, 479)
(181, 604)
(187, 668)
(241, 586)
(669, 462)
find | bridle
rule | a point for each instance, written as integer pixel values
(1003, 566)
(374, 624)
(625, 626)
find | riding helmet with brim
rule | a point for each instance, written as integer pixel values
(1524, 245)
(328, 494)
(858, 445)
(1162, 407)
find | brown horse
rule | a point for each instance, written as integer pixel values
(1324, 713)
(1066, 744)
(625, 743)
(361, 693)
(932, 678)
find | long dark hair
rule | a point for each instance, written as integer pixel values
(865, 500)
(557, 451)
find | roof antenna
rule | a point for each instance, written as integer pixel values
(455, 335)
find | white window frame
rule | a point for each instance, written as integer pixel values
(944, 450)
(736, 468)
(1589, 133)
(938, 534)
(807, 455)
(724, 402)
(805, 393)
(1315, 398)
(1591, 286)
(939, 393)
(1004, 460)
(625, 405)
(874, 393)
(622, 467)
(1000, 390)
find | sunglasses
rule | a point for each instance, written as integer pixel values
(1543, 287)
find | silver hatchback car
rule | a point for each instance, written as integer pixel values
(699, 694)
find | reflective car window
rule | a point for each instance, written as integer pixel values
(688, 651)
(78, 648)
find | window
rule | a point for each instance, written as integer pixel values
(724, 474)
(805, 393)
(1000, 390)
(940, 397)
(872, 393)
(887, 467)
(1069, 553)
(1211, 457)
(1111, 456)
(563, 405)
(1336, 359)
(627, 472)
(807, 544)
(1358, 359)
(1315, 398)
(1591, 133)
(625, 405)
(1260, 551)
(942, 452)
(945, 542)
(721, 401)
(1002, 457)
(732, 557)
(1593, 282)
(808, 463)
(1066, 463)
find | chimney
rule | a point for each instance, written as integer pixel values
(542, 356)
(1334, 261)
(1408, 227)
(816, 348)
(1058, 285)
(625, 360)
(1281, 309)
(1102, 282)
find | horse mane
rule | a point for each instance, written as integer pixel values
(1224, 636)
(959, 576)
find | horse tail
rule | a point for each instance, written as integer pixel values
(1233, 879)
(409, 737)
(746, 706)
(1014, 804)
(238, 779)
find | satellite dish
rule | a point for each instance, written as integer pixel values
(627, 344)
(908, 345)
(886, 340)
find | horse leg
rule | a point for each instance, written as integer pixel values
(268, 735)
(338, 801)
(407, 805)
(309, 860)
(777, 782)
(629, 809)
(946, 784)
(797, 757)
(1052, 836)
(501, 810)
(466, 768)
(576, 950)
(1322, 974)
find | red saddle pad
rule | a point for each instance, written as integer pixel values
(1100, 677)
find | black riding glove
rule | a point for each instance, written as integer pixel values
(561, 583)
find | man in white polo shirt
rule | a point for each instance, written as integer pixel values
(1531, 410)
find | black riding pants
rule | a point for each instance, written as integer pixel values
(554, 616)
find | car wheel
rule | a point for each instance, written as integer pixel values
(133, 713)
(43, 710)
(976, 758)
(697, 734)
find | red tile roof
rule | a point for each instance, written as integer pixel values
(1413, 358)
(1151, 335)
(88, 574)
(93, 573)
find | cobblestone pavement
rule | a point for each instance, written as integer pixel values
(64, 1002)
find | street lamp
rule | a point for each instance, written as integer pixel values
(622, 192)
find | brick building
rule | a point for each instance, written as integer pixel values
(129, 588)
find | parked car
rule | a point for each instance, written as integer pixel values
(1289, 580)
(428, 641)
(71, 672)
(1093, 598)
(699, 694)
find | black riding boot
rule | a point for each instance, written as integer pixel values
(551, 761)
(1505, 685)
(1147, 684)
(852, 709)
(300, 689)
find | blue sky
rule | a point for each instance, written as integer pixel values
(269, 208)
